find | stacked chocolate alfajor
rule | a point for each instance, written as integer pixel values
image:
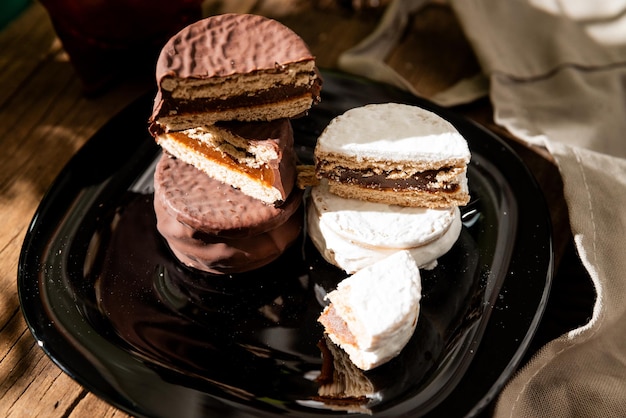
(227, 88)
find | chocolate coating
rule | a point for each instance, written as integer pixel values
(215, 228)
(229, 44)
(279, 136)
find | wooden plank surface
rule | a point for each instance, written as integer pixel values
(45, 118)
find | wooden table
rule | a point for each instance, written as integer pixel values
(45, 118)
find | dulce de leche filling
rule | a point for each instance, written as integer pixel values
(170, 105)
(263, 173)
(426, 180)
(334, 324)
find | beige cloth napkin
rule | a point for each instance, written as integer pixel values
(556, 72)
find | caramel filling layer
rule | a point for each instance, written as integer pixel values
(263, 174)
(334, 324)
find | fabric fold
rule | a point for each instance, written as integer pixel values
(582, 373)
(555, 82)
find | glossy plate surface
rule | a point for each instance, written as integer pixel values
(109, 305)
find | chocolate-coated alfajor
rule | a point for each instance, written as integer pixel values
(233, 67)
(257, 158)
(213, 227)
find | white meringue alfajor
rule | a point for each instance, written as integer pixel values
(353, 234)
(373, 313)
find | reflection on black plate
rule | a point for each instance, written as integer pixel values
(107, 302)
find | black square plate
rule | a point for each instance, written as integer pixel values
(109, 305)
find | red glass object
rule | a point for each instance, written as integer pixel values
(110, 39)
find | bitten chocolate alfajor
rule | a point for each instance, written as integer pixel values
(225, 195)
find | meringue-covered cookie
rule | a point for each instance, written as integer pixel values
(373, 313)
(396, 154)
(353, 234)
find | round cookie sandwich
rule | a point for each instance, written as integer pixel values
(373, 314)
(394, 154)
(213, 227)
(353, 234)
(233, 67)
(257, 158)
